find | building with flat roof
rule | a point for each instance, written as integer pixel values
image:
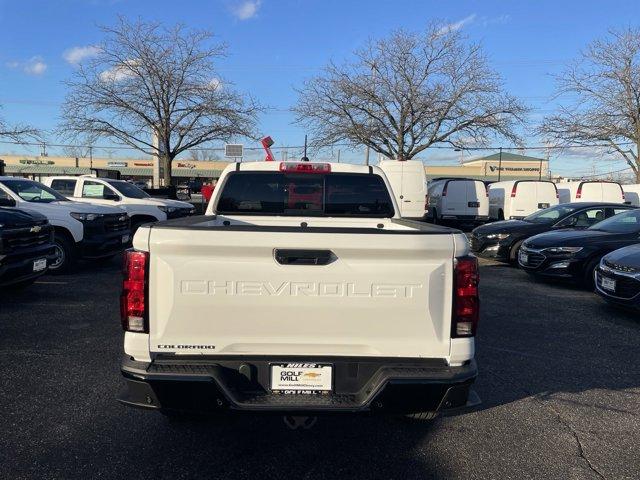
(491, 167)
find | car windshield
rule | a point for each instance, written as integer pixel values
(550, 215)
(127, 189)
(627, 222)
(35, 192)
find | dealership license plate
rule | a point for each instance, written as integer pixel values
(39, 265)
(608, 284)
(301, 378)
(125, 238)
(524, 258)
(474, 204)
(543, 205)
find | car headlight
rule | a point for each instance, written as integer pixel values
(164, 209)
(563, 249)
(497, 236)
(85, 217)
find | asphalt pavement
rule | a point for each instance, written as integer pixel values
(559, 380)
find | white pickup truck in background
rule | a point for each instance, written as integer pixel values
(299, 290)
(126, 196)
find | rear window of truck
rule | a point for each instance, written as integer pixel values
(295, 194)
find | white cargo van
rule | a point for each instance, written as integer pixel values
(516, 199)
(458, 199)
(409, 184)
(591, 191)
(632, 194)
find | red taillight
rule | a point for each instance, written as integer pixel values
(579, 192)
(133, 300)
(514, 190)
(305, 167)
(466, 302)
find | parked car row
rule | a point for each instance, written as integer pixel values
(50, 226)
(594, 244)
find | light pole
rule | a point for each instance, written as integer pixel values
(500, 164)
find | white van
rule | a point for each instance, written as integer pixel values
(515, 199)
(632, 194)
(409, 184)
(460, 199)
(591, 191)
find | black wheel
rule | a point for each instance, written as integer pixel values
(513, 252)
(65, 256)
(500, 215)
(588, 280)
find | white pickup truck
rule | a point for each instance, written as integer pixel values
(126, 196)
(299, 291)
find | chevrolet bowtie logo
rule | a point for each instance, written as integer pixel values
(35, 229)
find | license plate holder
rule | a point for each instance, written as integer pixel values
(608, 284)
(301, 378)
(39, 264)
(543, 205)
(474, 204)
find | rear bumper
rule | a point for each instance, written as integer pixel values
(361, 384)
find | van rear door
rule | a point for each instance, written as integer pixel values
(412, 203)
(456, 198)
(612, 192)
(477, 203)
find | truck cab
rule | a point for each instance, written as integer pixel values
(126, 196)
(81, 230)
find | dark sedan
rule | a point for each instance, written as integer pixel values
(575, 254)
(618, 277)
(502, 240)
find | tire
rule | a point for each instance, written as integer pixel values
(500, 215)
(66, 253)
(588, 281)
(513, 253)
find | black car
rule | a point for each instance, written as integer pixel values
(26, 247)
(618, 277)
(502, 240)
(575, 254)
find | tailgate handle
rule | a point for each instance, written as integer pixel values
(304, 257)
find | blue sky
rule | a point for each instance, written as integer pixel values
(275, 44)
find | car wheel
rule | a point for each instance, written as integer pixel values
(65, 256)
(434, 216)
(513, 253)
(588, 280)
(500, 215)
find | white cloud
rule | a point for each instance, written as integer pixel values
(119, 72)
(499, 20)
(455, 26)
(247, 9)
(33, 66)
(76, 55)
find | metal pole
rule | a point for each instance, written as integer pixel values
(500, 165)
(338, 155)
(305, 147)
(540, 171)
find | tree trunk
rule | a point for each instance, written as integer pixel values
(166, 162)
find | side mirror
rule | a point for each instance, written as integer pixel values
(7, 202)
(111, 196)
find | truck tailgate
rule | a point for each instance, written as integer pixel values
(223, 292)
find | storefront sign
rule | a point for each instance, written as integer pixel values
(37, 162)
(117, 164)
(186, 165)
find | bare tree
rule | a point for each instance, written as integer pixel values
(18, 133)
(404, 93)
(150, 80)
(603, 87)
(203, 155)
